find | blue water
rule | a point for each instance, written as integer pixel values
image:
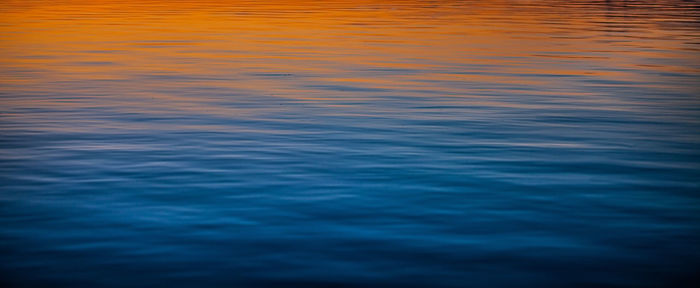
(349, 144)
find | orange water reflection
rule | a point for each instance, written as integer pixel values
(340, 50)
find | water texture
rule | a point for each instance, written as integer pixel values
(349, 143)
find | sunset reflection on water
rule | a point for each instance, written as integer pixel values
(358, 143)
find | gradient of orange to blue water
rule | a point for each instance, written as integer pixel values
(349, 143)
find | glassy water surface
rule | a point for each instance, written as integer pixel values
(349, 143)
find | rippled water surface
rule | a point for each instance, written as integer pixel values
(349, 143)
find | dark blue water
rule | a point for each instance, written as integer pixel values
(349, 144)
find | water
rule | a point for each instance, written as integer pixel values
(349, 143)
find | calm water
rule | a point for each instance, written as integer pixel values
(349, 143)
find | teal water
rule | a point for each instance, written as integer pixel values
(349, 144)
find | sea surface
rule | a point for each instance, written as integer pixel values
(349, 143)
